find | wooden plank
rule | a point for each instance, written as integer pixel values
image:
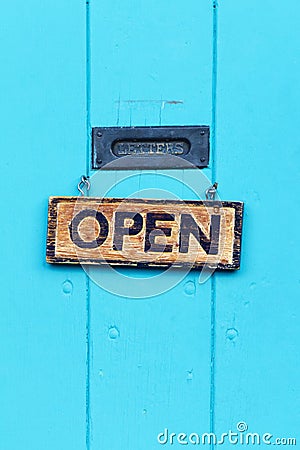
(42, 308)
(149, 358)
(148, 232)
(258, 310)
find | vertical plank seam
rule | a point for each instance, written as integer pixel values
(214, 174)
(214, 89)
(88, 418)
(88, 142)
(88, 87)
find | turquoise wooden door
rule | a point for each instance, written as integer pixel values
(85, 367)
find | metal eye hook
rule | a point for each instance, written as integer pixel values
(84, 182)
(210, 193)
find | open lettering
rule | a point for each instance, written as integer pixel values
(132, 224)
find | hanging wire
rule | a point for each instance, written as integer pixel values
(210, 193)
(83, 183)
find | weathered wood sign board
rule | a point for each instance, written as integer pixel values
(87, 230)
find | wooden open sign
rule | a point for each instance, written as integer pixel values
(87, 230)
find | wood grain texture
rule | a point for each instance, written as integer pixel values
(144, 232)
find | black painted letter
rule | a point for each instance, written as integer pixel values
(189, 226)
(121, 230)
(152, 231)
(74, 226)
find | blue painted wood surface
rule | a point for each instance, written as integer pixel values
(257, 321)
(150, 358)
(86, 368)
(42, 308)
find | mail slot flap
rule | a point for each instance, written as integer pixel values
(117, 148)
